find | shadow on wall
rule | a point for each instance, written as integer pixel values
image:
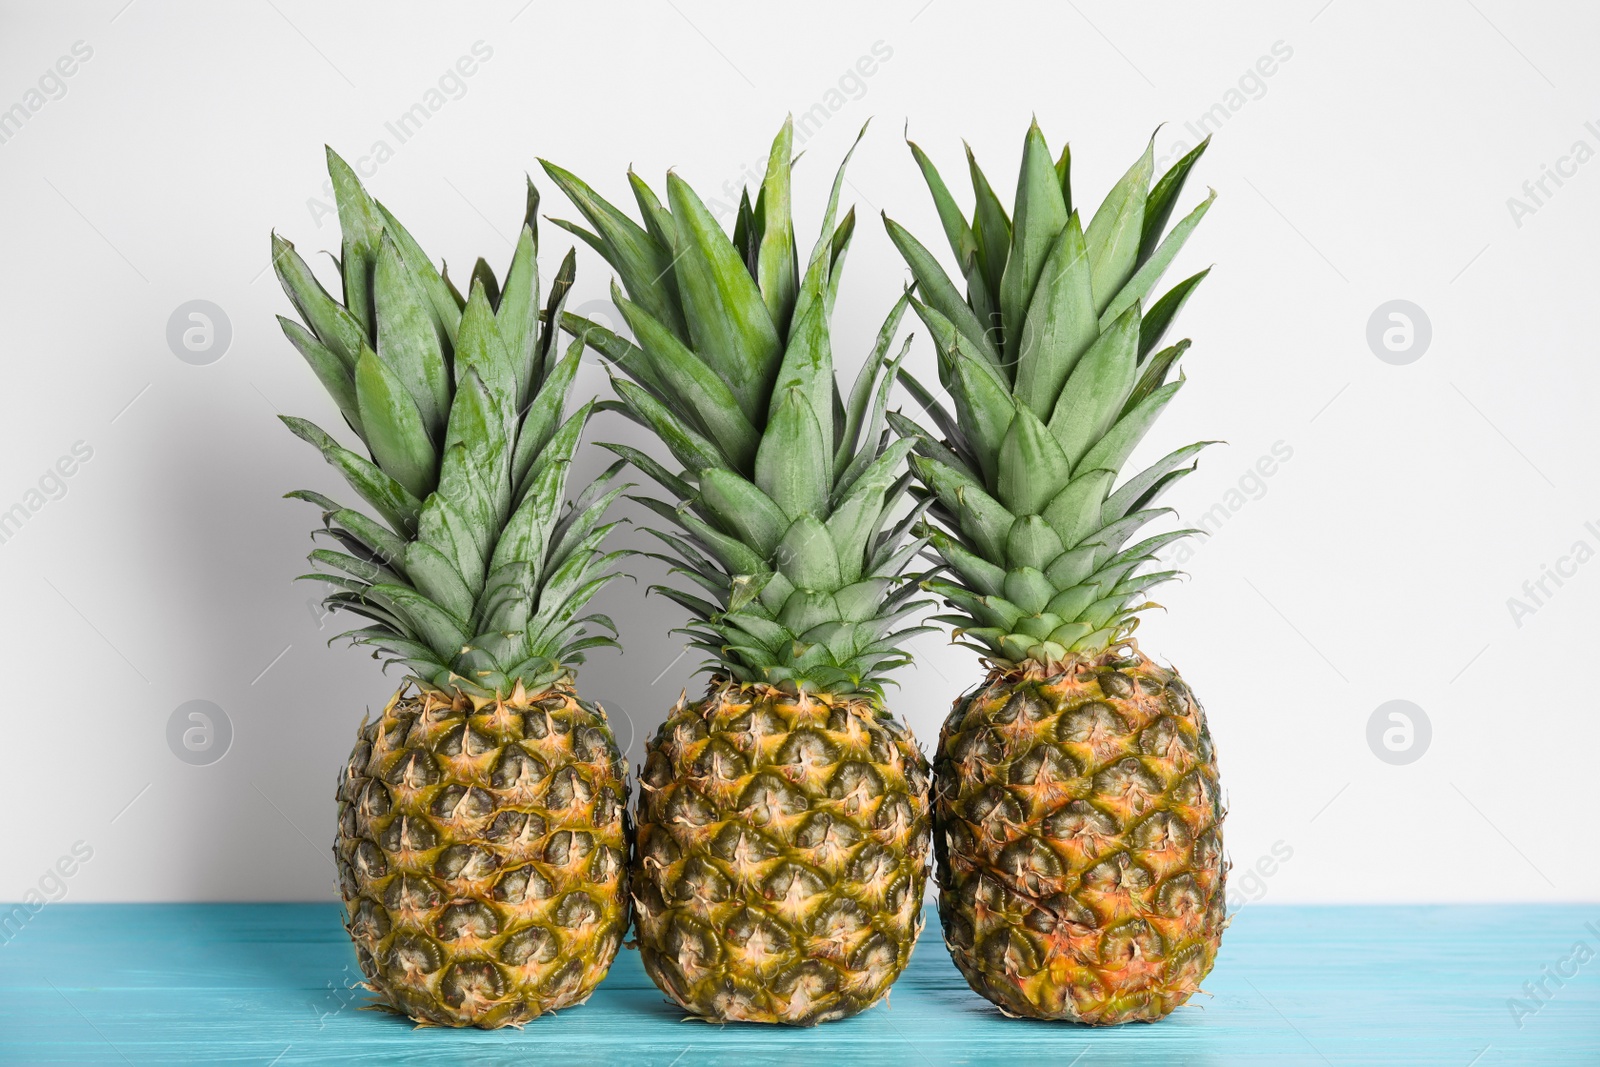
(252, 714)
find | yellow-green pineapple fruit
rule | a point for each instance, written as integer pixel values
(1077, 814)
(482, 826)
(783, 818)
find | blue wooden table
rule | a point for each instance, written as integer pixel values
(269, 985)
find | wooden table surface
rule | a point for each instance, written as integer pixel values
(267, 984)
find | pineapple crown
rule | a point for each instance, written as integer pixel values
(785, 497)
(476, 569)
(1053, 370)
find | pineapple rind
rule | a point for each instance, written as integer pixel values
(1080, 841)
(782, 854)
(483, 854)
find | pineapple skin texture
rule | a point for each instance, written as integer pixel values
(482, 855)
(1079, 842)
(782, 854)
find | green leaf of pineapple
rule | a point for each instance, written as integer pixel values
(441, 300)
(398, 505)
(638, 258)
(1115, 231)
(379, 541)
(362, 230)
(365, 570)
(991, 229)
(1033, 469)
(1064, 175)
(806, 556)
(1075, 512)
(544, 357)
(983, 520)
(542, 416)
(1163, 311)
(436, 577)
(1041, 215)
(438, 628)
(807, 368)
(1031, 542)
(443, 527)
(777, 262)
(408, 340)
(860, 513)
(871, 443)
(1153, 374)
(332, 323)
(1150, 271)
(518, 314)
(1113, 449)
(1061, 323)
(330, 370)
(1029, 590)
(836, 253)
(1133, 490)
(686, 445)
(792, 464)
(483, 277)
(956, 229)
(625, 354)
(728, 322)
(1164, 196)
(939, 292)
(861, 393)
(697, 387)
(736, 557)
(560, 451)
(479, 348)
(981, 574)
(1095, 391)
(744, 509)
(393, 427)
(982, 397)
(947, 482)
(477, 434)
(658, 221)
(814, 284)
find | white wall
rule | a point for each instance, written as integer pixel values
(1375, 163)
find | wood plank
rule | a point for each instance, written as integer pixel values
(268, 984)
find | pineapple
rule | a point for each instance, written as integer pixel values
(1076, 806)
(482, 827)
(783, 818)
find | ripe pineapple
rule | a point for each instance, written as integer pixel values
(783, 818)
(482, 842)
(1078, 824)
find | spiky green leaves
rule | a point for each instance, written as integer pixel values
(1050, 365)
(787, 488)
(476, 575)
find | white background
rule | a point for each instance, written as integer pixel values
(1374, 164)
